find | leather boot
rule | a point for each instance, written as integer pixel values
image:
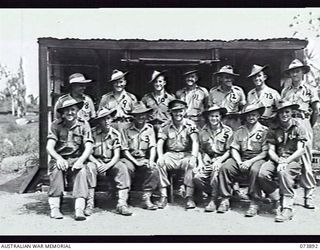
(276, 208)
(189, 198)
(163, 202)
(308, 201)
(90, 203)
(122, 206)
(147, 204)
(253, 209)
(79, 208)
(285, 215)
(54, 203)
(211, 207)
(224, 206)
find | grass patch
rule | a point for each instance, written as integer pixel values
(17, 140)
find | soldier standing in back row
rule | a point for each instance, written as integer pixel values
(158, 99)
(262, 93)
(78, 85)
(307, 97)
(228, 95)
(195, 96)
(119, 99)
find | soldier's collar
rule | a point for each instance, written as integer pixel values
(133, 127)
(219, 88)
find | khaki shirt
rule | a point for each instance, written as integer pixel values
(196, 99)
(159, 105)
(215, 143)
(124, 104)
(268, 97)
(85, 113)
(250, 143)
(105, 144)
(178, 140)
(231, 100)
(304, 95)
(286, 141)
(70, 141)
(139, 142)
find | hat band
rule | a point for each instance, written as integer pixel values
(77, 79)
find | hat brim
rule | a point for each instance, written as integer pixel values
(81, 82)
(190, 72)
(257, 72)
(79, 104)
(160, 74)
(111, 113)
(305, 69)
(119, 77)
(146, 111)
(292, 106)
(177, 108)
(260, 110)
(225, 73)
(223, 111)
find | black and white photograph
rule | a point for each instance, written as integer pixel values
(160, 121)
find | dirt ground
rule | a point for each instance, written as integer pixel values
(28, 214)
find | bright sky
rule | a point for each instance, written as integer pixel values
(19, 29)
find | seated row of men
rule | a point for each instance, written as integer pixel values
(127, 146)
(212, 158)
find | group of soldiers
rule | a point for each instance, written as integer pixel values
(215, 138)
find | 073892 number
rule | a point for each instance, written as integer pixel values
(309, 246)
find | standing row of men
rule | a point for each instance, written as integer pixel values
(161, 133)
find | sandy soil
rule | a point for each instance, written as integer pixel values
(28, 214)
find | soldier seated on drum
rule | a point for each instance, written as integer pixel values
(69, 145)
(286, 149)
(195, 96)
(139, 145)
(214, 139)
(78, 84)
(248, 151)
(105, 159)
(178, 148)
(119, 99)
(158, 99)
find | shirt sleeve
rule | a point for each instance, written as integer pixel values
(235, 141)
(271, 137)
(103, 102)
(163, 133)
(117, 142)
(277, 97)
(87, 134)
(53, 132)
(302, 133)
(229, 139)
(314, 95)
(124, 140)
(193, 129)
(152, 142)
(92, 109)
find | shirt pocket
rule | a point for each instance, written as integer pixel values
(77, 138)
(144, 142)
(221, 144)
